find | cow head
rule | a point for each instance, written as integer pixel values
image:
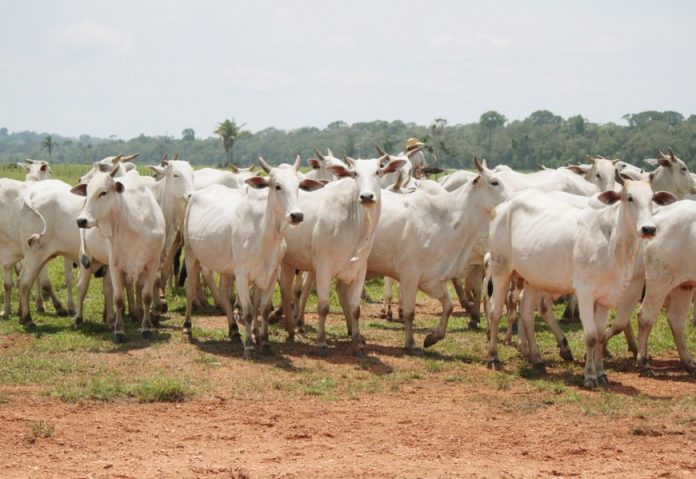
(366, 174)
(37, 170)
(602, 172)
(103, 197)
(637, 198)
(488, 187)
(283, 183)
(177, 176)
(671, 175)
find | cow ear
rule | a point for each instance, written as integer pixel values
(393, 165)
(44, 167)
(257, 182)
(119, 187)
(339, 171)
(24, 166)
(576, 169)
(665, 161)
(477, 179)
(609, 197)
(314, 163)
(310, 185)
(664, 198)
(80, 190)
(156, 169)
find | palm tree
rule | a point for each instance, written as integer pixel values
(230, 132)
(48, 144)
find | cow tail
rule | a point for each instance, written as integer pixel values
(34, 239)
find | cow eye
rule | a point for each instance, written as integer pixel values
(103, 193)
(277, 187)
(684, 169)
(176, 176)
(495, 183)
(630, 198)
(598, 177)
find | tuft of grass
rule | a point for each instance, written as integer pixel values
(320, 386)
(503, 381)
(433, 366)
(161, 390)
(40, 430)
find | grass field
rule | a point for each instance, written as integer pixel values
(59, 363)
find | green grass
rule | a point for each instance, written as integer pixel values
(41, 430)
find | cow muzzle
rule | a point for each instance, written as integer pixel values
(367, 199)
(296, 218)
(648, 231)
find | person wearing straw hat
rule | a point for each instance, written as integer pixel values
(417, 158)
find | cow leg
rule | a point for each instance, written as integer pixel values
(351, 298)
(529, 303)
(68, 273)
(386, 312)
(622, 320)
(439, 292)
(677, 314)
(192, 274)
(546, 309)
(46, 286)
(117, 282)
(40, 307)
(500, 281)
(461, 294)
(587, 317)
(248, 312)
(31, 268)
(147, 292)
(265, 308)
(512, 297)
(655, 293)
(226, 281)
(601, 320)
(308, 284)
(473, 288)
(407, 290)
(7, 306)
(109, 315)
(287, 274)
(323, 279)
(84, 277)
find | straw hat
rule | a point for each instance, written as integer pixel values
(413, 143)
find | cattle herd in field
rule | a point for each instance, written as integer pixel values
(604, 235)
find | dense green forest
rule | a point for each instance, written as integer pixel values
(542, 138)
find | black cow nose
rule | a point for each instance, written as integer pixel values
(82, 223)
(367, 197)
(296, 217)
(648, 230)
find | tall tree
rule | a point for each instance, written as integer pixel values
(48, 145)
(230, 132)
(491, 121)
(188, 134)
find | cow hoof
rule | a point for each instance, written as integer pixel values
(323, 351)
(62, 312)
(187, 331)
(690, 368)
(235, 337)
(155, 320)
(472, 326)
(146, 334)
(266, 349)
(40, 309)
(77, 323)
(567, 355)
(248, 353)
(119, 338)
(414, 351)
(429, 340)
(590, 384)
(359, 352)
(495, 365)
(540, 367)
(164, 307)
(603, 380)
(647, 373)
(29, 326)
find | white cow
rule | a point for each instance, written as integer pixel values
(319, 166)
(106, 164)
(672, 175)
(335, 240)
(126, 214)
(670, 271)
(232, 179)
(241, 236)
(560, 249)
(600, 171)
(426, 238)
(547, 180)
(11, 243)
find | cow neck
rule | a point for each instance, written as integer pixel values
(127, 217)
(466, 221)
(623, 241)
(365, 218)
(272, 224)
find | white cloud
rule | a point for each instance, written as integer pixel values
(258, 78)
(92, 34)
(471, 44)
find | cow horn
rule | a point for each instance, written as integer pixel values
(130, 157)
(176, 157)
(381, 151)
(329, 152)
(165, 158)
(349, 160)
(319, 155)
(661, 153)
(671, 153)
(619, 179)
(266, 167)
(298, 162)
(30, 161)
(114, 170)
(478, 164)
(116, 159)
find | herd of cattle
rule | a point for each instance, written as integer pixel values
(603, 234)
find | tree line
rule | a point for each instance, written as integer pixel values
(543, 138)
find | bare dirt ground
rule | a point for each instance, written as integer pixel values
(430, 428)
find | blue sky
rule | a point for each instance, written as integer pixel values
(157, 67)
